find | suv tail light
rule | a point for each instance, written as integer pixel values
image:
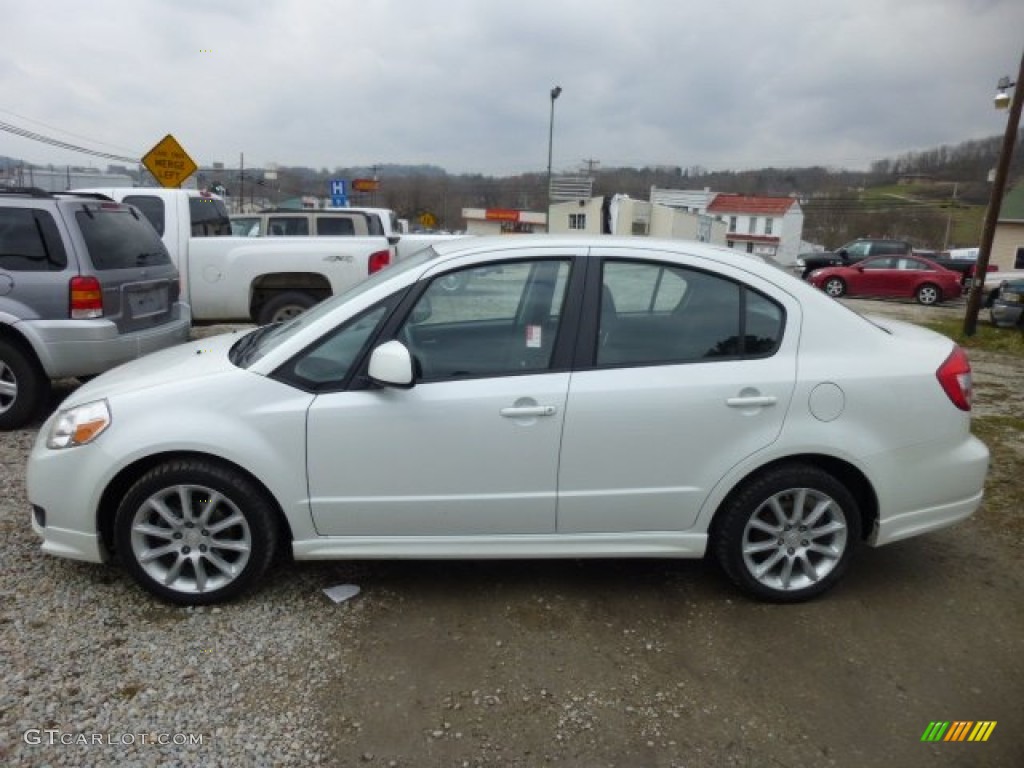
(378, 260)
(955, 377)
(86, 298)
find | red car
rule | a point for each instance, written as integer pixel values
(898, 276)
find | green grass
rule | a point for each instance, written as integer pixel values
(988, 337)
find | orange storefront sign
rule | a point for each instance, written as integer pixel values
(501, 214)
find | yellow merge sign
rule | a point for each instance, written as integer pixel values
(169, 163)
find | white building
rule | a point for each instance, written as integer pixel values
(768, 226)
(693, 200)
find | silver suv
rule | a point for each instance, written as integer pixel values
(85, 284)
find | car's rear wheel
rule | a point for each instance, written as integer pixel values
(834, 287)
(284, 306)
(928, 294)
(23, 384)
(195, 533)
(788, 534)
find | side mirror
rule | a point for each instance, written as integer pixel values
(843, 254)
(391, 365)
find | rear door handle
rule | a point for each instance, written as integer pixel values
(753, 401)
(518, 412)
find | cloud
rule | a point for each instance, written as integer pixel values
(465, 84)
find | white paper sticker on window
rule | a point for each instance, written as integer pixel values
(533, 336)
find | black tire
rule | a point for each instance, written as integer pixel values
(284, 306)
(834, 287)
(798, 562)
(23, 386)
(212, 552)
(928, 294)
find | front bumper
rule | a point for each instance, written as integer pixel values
(1006, 315)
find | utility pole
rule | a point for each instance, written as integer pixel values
(241, 181)
(996, 201)
(949, 218)
(591, 164)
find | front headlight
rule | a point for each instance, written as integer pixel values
(79, 425)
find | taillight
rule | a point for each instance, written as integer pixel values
(86, 298)
(378, 260)
(955, 377)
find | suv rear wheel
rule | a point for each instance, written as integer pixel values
(22, 386)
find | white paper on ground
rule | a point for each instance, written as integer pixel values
(342, 592)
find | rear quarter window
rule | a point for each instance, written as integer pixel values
(117, 238)
(209, 217)
(30, 241)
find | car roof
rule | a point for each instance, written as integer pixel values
(464, 246)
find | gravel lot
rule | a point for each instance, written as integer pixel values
(590, 663)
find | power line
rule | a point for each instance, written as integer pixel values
(33, 136)
(61, 130)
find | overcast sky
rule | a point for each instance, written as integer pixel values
(464, 84)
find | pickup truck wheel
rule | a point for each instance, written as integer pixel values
(834, 287)
(193, 532)
(284, 306)
(23, 385)
(928, 294)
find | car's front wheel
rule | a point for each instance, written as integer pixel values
(834, 287)
(194, 533)
(928, 294)
(788, 534)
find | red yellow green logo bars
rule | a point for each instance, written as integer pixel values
(959, 730)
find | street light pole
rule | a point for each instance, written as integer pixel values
(555, 93)
(996, 200)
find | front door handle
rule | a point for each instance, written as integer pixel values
(519, 412)
(754, 401)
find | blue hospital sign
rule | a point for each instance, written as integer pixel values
(337, 188)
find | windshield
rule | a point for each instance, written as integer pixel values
(252, 347)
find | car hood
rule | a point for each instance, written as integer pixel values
(168, 367)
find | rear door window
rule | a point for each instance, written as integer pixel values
(117, 239)
(288, 226)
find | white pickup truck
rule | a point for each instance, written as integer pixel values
(242, 279)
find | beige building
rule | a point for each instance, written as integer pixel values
(1008, 243)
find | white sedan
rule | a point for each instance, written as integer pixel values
(576, 397)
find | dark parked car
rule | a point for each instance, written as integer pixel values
(850, 253)
(1007, 308)
(891, 276)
